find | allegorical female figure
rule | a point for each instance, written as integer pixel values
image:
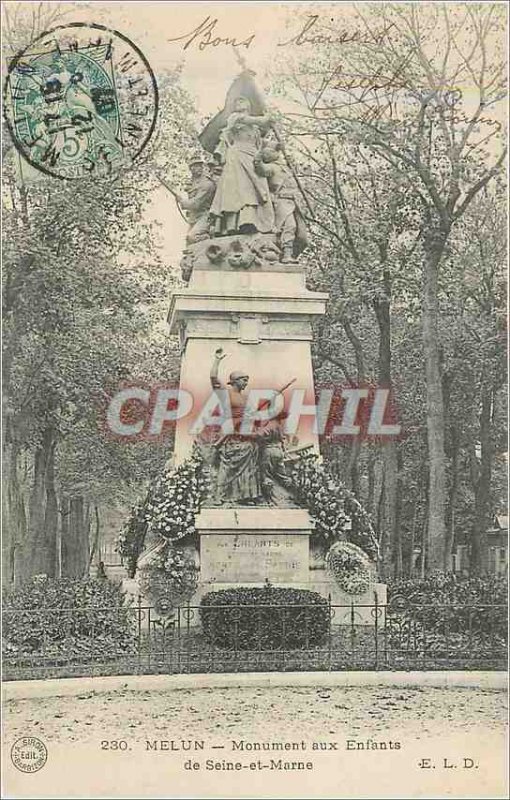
(237, 456)
(242, 202)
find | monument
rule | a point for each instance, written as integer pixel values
(244, 320)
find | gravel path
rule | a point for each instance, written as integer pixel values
(429, 724)
(281, 712)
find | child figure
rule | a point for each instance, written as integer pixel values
(289, 220)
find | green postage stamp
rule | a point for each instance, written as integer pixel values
(80, 100)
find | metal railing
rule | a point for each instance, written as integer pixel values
(136, 640)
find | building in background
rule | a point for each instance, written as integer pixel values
(494, 550)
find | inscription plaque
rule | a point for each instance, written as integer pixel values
(253, 557)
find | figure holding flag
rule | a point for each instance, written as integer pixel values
(242, 202)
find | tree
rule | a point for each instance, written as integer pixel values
(475, 364)
(394, 90)
(84, 293)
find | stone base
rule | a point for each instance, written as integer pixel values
(241, 252)
(363, 612)
(254, 546)
(346, 608)
(358, 609)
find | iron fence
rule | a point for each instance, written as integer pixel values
(45, 642)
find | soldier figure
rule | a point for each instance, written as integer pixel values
(272, 440)
(237, 455)
(197, 201)
(289, 221)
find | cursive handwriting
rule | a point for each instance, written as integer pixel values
(205, 36)
(342, 37)
(373, 82)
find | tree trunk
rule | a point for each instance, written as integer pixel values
(384, 544)
(424, 543)
(389, 508)
(410, 563)
(425, 525)
(65, 544)
(95, 550)
(14, 527)
(452, 448)
(452, 500)
(51, 518)
(436, 539)
(75, 547)
(482, 517)
(85, 543)
(352, 469)
(42, 520)
(371, 482)
(397, 537)
(35, 557)
(388, 511)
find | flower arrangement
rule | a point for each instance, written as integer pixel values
(336, 511)
(172, 502)
(350, 567)
(168, 509)
(169, 579)
(171, 507)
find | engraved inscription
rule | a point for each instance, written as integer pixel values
(254, 557)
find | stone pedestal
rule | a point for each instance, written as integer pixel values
(262, 320)
(261, 317)
(253, 546)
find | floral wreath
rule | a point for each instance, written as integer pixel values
(350, 567)
(172, 502)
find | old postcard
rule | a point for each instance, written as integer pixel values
(255, 531)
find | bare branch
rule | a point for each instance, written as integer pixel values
(479, 185)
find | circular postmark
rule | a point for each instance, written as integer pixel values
(81, 100)
(29, 754)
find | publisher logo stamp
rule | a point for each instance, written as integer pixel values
(81, 101)
(29, 754)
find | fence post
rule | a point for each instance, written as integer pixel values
(385, 634)
(188, 648)
(376, 629)
(329, 631)
(258, 639)
(178, 639)
(352, 632)
(150, 635)
(447, 636)
(284, 633)
(139, 637)
(236, 634)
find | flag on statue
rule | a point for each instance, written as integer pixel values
(243, 86)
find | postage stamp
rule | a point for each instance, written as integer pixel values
(81, 100)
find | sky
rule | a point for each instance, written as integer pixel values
(206, 73)
(163, 30)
